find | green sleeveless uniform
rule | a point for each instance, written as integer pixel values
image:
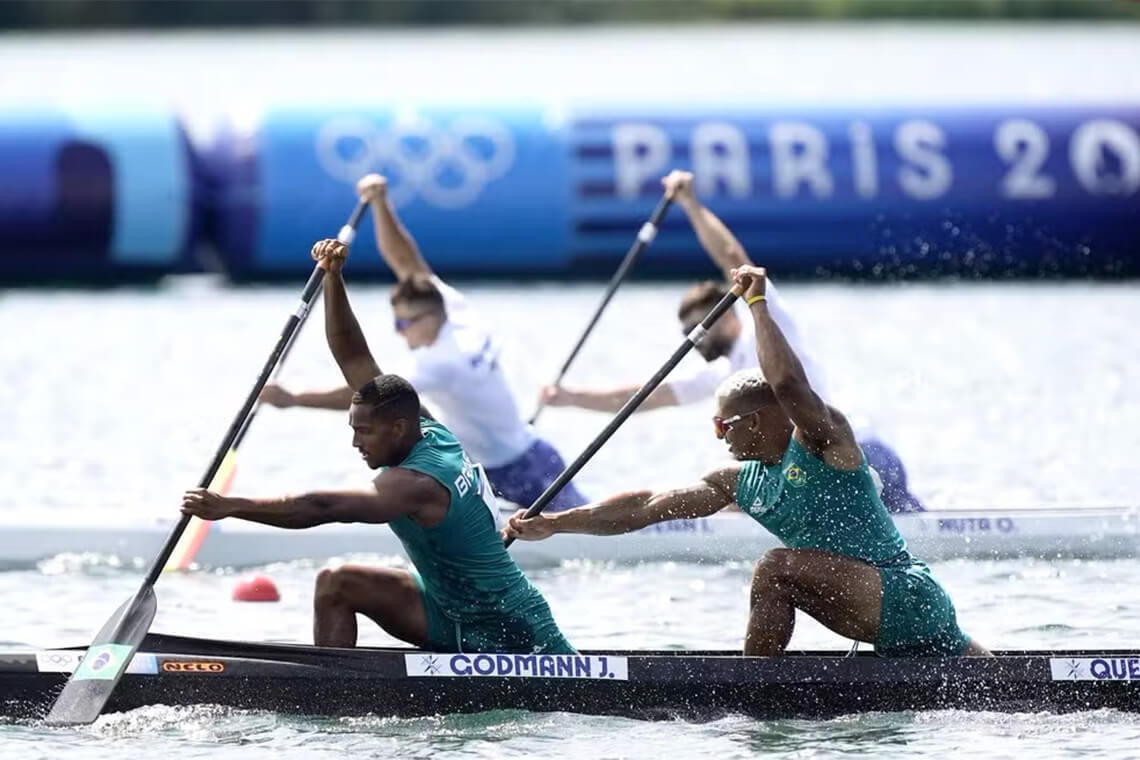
(809, 505)
(476, 597)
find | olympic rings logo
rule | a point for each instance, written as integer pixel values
(448, 166)
(56, 661)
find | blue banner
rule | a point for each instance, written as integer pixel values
(93, 194)
(528, 190)
(859, 191)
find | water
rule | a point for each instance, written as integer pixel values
(1008, 394)
(208, 732)
(242, 71)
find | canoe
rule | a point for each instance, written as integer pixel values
(694, 685)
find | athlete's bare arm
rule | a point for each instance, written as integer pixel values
(821, 429)
(606, 399)
(398, 492)
(634, 510)
(335, 398)
(397, 246)
(717, 240)
(342, 331)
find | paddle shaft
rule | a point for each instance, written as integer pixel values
(240, 422)
(645, 236)
(630, 406)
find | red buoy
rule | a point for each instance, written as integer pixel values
(257, 588)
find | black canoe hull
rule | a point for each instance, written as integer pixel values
(659, 685)
(30, 697)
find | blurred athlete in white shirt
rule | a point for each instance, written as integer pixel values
(730, 346)
(455, 364)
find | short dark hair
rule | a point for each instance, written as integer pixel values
(703, 295)
(747, 387)
(389, 397)
(418, 288)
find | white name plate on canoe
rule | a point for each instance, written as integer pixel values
(594, 666)
(1106, 668)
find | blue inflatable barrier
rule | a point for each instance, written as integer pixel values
(483, 192)
(859, 191)
(524, 190)
(93, 196)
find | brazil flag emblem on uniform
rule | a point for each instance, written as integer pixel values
(795, 475)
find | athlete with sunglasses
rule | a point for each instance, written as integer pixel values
(729, 347)
(801, 474)
(455, 364)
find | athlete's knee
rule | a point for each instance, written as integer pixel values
(328, 586)
(772, 572)
(334, 585)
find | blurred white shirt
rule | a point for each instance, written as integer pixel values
(701, 383)
(463, 380)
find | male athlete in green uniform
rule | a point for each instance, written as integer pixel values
(468, 594)
(802, 476)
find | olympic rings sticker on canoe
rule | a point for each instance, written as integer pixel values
(192, 666)
(448, 166)
(67, 660)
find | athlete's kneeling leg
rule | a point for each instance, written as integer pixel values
(918, 618)
(528, 629)
(388, 596)
(841, 592)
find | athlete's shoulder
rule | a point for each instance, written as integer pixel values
(407, 482)
(434, 430)
(724, 479)
(438, 454)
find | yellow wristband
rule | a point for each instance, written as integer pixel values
(754, 299)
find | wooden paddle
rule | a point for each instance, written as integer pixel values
(645, 236)
(94, 680)
(694, 337)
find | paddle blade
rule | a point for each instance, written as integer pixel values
(91, 685)
(191, 541)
